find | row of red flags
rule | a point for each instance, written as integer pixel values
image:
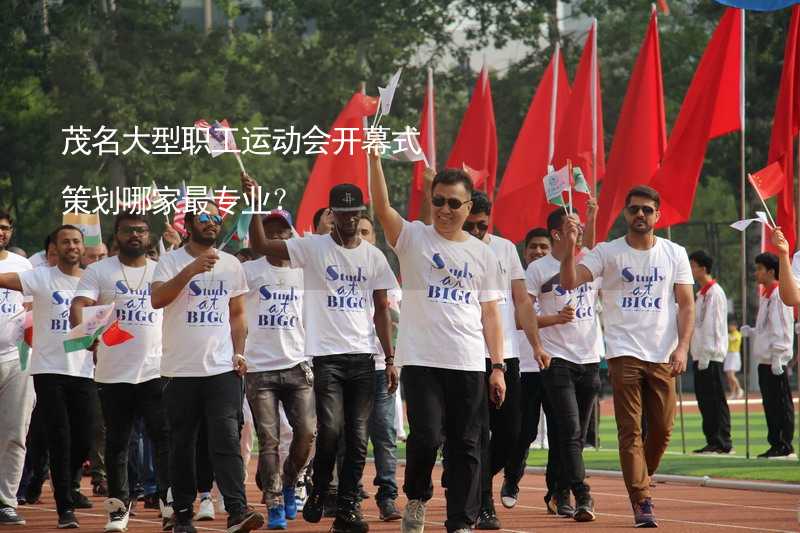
(566, 122)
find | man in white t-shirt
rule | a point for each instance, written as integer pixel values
(128, 375)
(502, 424)
(63, 381)
(16, 385)
(647, 333)
(708, 348)
(450, 316)
(572, 381)
(202, 291)
(278, 371)
(346, 280)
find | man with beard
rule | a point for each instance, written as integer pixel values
(16, 386)
(345, 280)
(128, 374)
(648, 318)
(63, 381)
(202, 292)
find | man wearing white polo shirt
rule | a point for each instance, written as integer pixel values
(63, 381)
(450, 316)
(128, 375)
(648, 319)
(202, 292)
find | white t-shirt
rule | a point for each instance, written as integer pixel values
(339, 283)
(197, 328)
(138, 359)
(509, 268)
(796, 266)
(579, 341)
(12, 314)
(52, 292)
(444, 284)
(640, 314)
(774, 339)
(39, 259)
(275, 333)
(526, 361)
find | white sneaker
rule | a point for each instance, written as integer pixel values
(413, 517)
(206, 510)
(300, 495)
(221, 504)
(166, 509)
(117, 515)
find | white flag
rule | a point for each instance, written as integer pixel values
(387, 93)
(556, 183)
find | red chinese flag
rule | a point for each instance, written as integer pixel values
(427, 141)
(345, 167)
(768, 181)
(521, 204)
(114, 335)
(476, 143)
(641, 124)
(712, 107)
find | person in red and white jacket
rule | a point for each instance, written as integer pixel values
(708, 347)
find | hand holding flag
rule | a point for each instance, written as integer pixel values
(220, 138)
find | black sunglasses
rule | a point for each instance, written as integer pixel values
(646, 209)
(469, 226)
(452, 203)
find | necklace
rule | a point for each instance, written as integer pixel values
(125, 276)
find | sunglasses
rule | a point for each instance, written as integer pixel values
(205, 218)
(452, 203)
(646, 209)
(469, 226)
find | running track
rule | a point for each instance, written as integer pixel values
(679, 509)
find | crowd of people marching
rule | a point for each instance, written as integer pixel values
(294, 340)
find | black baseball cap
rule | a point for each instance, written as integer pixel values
(346, 197)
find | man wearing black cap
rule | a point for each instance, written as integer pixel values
(345, 280)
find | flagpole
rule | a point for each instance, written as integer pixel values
(365, 123)
(743, 237)
(431, 122)
(594, 108)
(553, 104)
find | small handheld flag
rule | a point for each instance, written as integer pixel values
(556, 183)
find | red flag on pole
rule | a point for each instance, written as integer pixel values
(712, 107)
(641, 124)
(427, 141)
(348, 166)
(768, 181)
(785, 126)
(476, 143)
(521, 203)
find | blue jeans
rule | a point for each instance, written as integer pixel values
(384, 439)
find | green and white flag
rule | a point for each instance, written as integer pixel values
(96, 319)
(580, 181)
(556, 183)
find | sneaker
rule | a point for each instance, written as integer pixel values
(117, 515)
(509, 494)
(67, 520)
(413, 517)
(100, 487)
(772, 452)
(726, 451)
(206, 510)
(79, 501)
(487, 518)
(289, 503)
(643, 514)
(9, 516)
(300, 495)
(349, 520)
(167, 523)
(706, 449)
(276, 517)
(563, 502)
(182, 521)
(387, 511)
(312, 510)
(330, 506)
(165, 509)
(246, 520)
(584, 508)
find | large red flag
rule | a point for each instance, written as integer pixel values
(427, 141)
(785, 125)
(345, 167)
(476, 143)
(521, 204)
(641, 125)
(581, 138)
(712, 107)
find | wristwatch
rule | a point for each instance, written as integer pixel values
(499, 366)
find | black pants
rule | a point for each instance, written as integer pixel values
(501, 434)
(205, 474)
(68, 406)
(778, 408)
(122, 403)
(34, 472)
(531, 398)
(709, 387)
(217, 399)
(445, 404)
(344, 388)
(573, 388)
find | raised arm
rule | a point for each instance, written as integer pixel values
(589, 232)
(258, 240)
(685, 299)
(390, 219)
(787, 286)
(572, 275)
(10, 280)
